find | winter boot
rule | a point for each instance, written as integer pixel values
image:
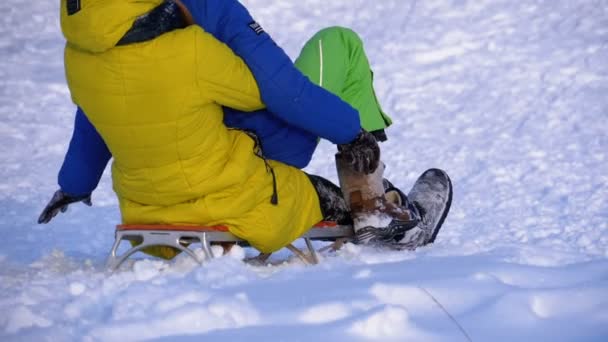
(376, 220)
(431, 198)
(397, 197)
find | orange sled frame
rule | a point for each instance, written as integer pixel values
(180, 237)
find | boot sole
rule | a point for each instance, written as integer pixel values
(436, 173)
(446, 211)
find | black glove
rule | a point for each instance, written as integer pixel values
(60, 202)
(363, 153)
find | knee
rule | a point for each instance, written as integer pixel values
(348, 36)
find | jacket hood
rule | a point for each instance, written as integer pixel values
(97, 25)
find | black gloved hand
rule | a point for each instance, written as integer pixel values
(363, 153)
(60, 202)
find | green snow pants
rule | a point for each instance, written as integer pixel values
(334, 59)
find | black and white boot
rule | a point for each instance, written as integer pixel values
(397, 197)
(432, 196)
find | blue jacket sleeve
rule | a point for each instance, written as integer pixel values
(86, 159)
(287, 93)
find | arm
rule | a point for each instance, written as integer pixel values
(287, 93)
(85, 160)
(82, 168)
(224, 76)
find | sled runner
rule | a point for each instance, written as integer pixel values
(183, 237)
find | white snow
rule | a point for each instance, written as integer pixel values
(509, 97)
(323, 313)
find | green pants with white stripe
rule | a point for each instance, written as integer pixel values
(334, 59)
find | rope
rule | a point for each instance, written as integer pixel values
(447, 313)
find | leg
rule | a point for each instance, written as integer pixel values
(335, 59)
(333, 205)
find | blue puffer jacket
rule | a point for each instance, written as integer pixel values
(298, 111)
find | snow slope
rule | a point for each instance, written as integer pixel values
(508, 96)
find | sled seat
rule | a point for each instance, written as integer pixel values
(182, 237)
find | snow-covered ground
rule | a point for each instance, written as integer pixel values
(510, 97)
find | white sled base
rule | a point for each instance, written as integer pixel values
(182, 237)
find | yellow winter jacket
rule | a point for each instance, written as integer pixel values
(158, 106)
